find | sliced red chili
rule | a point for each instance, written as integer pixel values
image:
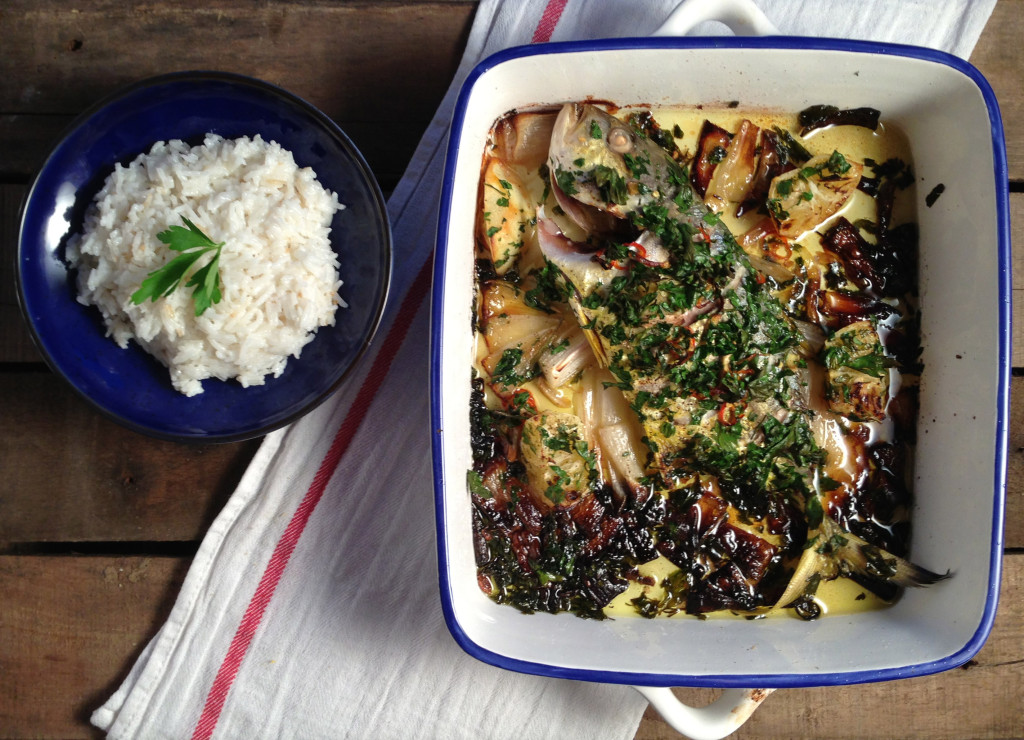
(638, 249)
(729, 413)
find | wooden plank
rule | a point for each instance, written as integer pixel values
(373, 61)
(15, 342)
(71, 626)
(25, 139)
(380, 69)
(71, 475)
(389, 63)
(1014, 527)
(999, 56)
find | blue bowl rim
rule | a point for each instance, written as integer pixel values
(254, 430)
(774, 680)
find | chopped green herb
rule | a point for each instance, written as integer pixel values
(476, 485)
(193, 245)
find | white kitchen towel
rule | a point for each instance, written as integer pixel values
(311, 609)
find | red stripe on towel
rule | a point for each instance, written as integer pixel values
(229, 668)
(286, 545)
(548, 20)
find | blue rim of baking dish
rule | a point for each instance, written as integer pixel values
(777, 680)
(225, 412)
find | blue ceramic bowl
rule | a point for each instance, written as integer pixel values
(130, 386)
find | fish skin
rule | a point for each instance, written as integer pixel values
(576, 157)
(722, 288)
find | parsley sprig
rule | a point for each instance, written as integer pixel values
(193, 245)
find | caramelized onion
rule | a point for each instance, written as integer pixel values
(770, 163)
(565, 358)
(711, 149)
(731, 180)
(801, 200)
(523, 138)
(607, 419)
(813, 338)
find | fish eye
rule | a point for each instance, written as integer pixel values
(619, 140)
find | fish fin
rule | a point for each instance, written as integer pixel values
(880, 564)
(834, 550)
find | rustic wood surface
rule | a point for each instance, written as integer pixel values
(98, 524)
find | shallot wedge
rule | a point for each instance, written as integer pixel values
(584, 273)
(507, 215)
(515, 334)
(733, 177)
(802, 199)
(566, 357)
(523, 139)
(612, 428)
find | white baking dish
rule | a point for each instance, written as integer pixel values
(950, 116)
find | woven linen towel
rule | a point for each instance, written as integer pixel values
(311, 609)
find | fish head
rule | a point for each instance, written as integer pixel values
(602, 162)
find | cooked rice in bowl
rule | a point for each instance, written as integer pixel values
(278, 272)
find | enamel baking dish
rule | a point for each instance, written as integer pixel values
(951, 119)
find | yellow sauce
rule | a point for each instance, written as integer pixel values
(841, 596)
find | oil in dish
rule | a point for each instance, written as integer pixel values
(697, 357)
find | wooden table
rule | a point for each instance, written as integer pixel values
(98, 524)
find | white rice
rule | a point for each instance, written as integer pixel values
(278, 273)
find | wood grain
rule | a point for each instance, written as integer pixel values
(15, 341)
(72, 475)
(999, 56)
(81, 621)
(70, 628)
(380, 68)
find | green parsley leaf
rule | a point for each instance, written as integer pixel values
(566, 181)
(610, 184)
(193, 245)
(476, 484)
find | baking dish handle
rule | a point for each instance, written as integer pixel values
(719, 719)
(741, 16)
